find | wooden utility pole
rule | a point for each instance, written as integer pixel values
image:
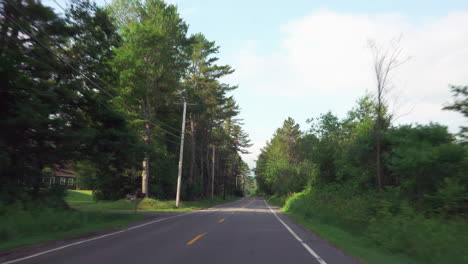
(212, 173)
(181, 156)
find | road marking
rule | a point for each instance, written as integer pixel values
(248, 204)
(222, 220)
(94, 238)
(311, 251)
(195, 239)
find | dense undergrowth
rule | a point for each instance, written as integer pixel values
(379, 222)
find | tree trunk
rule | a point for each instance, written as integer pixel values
(193, 150)
(145, 175)
(378, 143)
(224, 181)
(145, 163)
(202, 173)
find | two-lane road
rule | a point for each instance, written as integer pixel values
(245, 231)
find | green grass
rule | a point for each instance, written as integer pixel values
(83, 200)
(20, 227)
(355, 246)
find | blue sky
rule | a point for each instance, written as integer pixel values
(303, 58)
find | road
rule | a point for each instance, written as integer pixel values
(245, 231)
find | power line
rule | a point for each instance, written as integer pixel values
(103, 81)
(27, 33)
(58, 4)
(120, 24)
(82, 74)
(100, 103)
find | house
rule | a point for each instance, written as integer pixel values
(61, 174)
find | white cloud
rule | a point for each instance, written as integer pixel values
(323, 56)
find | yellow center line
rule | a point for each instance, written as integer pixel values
(248, 204)
(222, 220)
(195, 239)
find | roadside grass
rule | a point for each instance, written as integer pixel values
(355, 246)
(20, 227)
(152, 205)
(375, 232)
(83, 201)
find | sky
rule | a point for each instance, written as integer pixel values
(302, 58)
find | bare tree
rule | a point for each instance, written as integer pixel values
(385, 61)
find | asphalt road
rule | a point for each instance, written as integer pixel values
(245, 231)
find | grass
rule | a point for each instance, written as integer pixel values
(83, 200)
(374, 231)
(355, 246)
(22, 227)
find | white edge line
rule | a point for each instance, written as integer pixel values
(311, 251)
(94, 238)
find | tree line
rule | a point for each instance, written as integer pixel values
(364, 152)
(423, 163)
(102, 87)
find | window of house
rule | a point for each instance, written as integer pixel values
(62, 181)
(71, 181)
(52, 180)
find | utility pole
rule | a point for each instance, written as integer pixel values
(181, 156)
(212, 173)
(244, 179)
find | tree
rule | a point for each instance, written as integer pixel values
(203, 87)
(151, 63)
(54, 109)
(385, 61)
(278, 166)
(460, 104)
(32, 97)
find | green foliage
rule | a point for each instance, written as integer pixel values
(423, 157)
(424, 162)
(460, 104)
(78, 88)
(51, 114)
(278, 167)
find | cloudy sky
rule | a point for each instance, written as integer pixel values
(302, 58)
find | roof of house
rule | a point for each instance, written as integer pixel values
(66, 169)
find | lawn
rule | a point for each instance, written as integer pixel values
(83, 200)
(21, 227)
